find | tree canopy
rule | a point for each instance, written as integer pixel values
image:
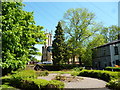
(110, 33)
(19, 35)
(79, 25)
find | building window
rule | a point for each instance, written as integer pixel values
(104, 52)
(116, 50)
(105, 65)
(117, 62)
(113, 62)
(110, 64)
(99, 64)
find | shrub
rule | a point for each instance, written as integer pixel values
(60, 77)
(42, 73)
(113, 68)
(17, 79)
(24, 74)
(28, 84)
(77, 68)
(104, 75)
(113, 78)
(74, 73)
(41, 83)
(114, 84)
(37, 84)
(7, 87)
(27, 80)
(57, 67)
(55, 84)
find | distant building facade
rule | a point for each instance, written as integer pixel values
(47, 48)
(106, 55)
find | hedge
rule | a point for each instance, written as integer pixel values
(114, 84)
(28, 80)
(113, 78)
(113, 68)
(55, 67)
(104, 75)
(37, 84)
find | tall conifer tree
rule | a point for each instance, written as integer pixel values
(58, 45)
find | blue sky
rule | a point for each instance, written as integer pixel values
(47, 14)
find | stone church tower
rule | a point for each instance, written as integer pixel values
(47, 48)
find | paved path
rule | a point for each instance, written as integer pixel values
(85, 84)
(49, 77)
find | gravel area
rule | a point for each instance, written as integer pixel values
(85, 84)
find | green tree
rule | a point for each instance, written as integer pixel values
(110, 33)
(79, 25)
(98, 40)
(67, 53)
(19, 35)
(58, 45)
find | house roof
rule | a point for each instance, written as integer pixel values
(110, 43)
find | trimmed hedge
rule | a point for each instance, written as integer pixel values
(55, 67)
(113, 78)
(30, 84)
(77, 69)
(104, 75)
(114, 84)
(55, 84)
(27, 80)
(113, 68)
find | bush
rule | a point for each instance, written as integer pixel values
(55, 84)
(114, 84)
(7, 87)
(18, 79)
(42, 73)
(113, 68)
(24, 75)
(27, 79)
(55, 67)
(77, 68)
(37, 84)
(41, 83)
(74, 73)
(27, 84)
(104, 75)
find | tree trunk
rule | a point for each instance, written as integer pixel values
(68, 61)
(80, 62)
(73, 59)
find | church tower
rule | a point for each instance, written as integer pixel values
(47, 48)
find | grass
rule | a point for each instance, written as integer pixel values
(73, 73)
